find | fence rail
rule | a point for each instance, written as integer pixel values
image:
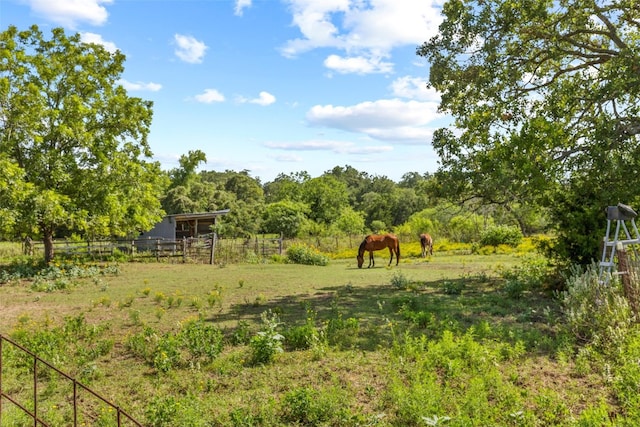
(121, 417)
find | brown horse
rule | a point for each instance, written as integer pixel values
(375, 242)
(426, 241)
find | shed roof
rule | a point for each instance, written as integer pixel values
(200, 215)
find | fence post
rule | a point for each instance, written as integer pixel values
(157, 250)
(184, 249)
(214, 239)
(1, 379)
(625, 271)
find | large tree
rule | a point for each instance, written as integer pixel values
(545, 97)
(75, 140)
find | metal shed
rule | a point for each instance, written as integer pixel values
(185, 225)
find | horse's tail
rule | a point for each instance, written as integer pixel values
(398, 253)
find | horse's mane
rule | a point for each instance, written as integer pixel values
(361, 248)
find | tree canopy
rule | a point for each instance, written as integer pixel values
(73, 139)
(545, 98)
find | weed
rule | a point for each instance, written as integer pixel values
(302, 254)
(267, 343)
(399, 280)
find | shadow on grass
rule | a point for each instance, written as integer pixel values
(386, 313)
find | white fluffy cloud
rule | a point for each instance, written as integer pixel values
(414, 88)
(386, 119)
(240, 6)
(209, 96)
(97, 39)
(71, 12)
(357, 64)
(189, 49)
(264, 99)
(365, 31)
(140, 86)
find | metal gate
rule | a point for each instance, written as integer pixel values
(78, 391)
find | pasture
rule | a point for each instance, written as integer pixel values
(435, 341)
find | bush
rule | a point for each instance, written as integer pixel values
(501, 235)
(267, 343)
(531, 275)
(301, 254)
(596, 313)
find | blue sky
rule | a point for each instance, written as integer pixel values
(269, 86)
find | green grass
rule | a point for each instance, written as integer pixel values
(435, 341)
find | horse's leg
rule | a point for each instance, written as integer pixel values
(390, 254)
(372, 262)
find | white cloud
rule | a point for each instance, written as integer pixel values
(189, 49)
(240, 6)
(264, 99)
(414, 88)
(97, 39)
(292, 158)
(362, 29)
(387, 119)
(338, 147)
(71, 12)
(140, 86)
(210, 96)
(357, 64)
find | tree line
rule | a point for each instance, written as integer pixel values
(545, 99)
(342, 200)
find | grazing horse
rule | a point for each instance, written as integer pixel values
(375, 242)
(426, 241)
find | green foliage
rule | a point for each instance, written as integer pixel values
(308, 406)
(194, 344)
(531, 275)
(203, 341)
(377, 226)
(399, 280)
(525, 135)
(435, 373)
(595, 313)
(302, 254)
(267, 343)
(465, 228)
(326, 197)
(501, 235)
(349, 222)
(284, 217)
(304, 336)
(66, 133)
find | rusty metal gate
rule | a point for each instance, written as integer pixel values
(78, 391)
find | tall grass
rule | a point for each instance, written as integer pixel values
(442, 341)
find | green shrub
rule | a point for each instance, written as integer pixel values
(595, 312)
(501, 235)
(399, 280)
(203, 341)
(532, 274)
(311, 407)
(302, 254)
(267, 343)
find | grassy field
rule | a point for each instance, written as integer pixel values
(441, 341)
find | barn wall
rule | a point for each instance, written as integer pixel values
(166, 229)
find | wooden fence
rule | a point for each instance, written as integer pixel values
(206, 249)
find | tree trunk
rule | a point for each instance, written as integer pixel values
(47, 239)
